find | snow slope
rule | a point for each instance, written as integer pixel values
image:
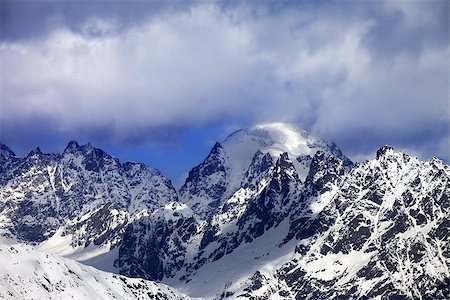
(29, 274)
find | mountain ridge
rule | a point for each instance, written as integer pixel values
(271, 213)
(83, 192)
(317, 234)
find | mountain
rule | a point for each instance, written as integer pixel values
(382, 231)
(272, 212)
(78, 200)
(374, 229)
(29, 274)
(214, 180)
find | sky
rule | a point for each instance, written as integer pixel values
(160, 82)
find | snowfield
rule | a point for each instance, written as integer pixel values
(30, 274)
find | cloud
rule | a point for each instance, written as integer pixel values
(416, 14)
(323, 67)
(179, 70)
(402, 101)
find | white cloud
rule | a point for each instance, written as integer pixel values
(180, 66)
(184, 68)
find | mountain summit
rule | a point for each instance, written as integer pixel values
(222, 172)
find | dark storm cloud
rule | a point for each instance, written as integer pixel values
(36, 19)
(362, 74)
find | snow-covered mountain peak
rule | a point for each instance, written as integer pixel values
(72, 145)
(385, 150)
(216, 149)
(286, 137)
(6, 151)
(437, 163)
(75, 147)
(35, 152)
(286, 164)
(398, 163)
(221, 174)
(276, 138)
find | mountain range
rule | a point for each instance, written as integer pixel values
(273, 212)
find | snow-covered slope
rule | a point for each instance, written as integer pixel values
(221, 173)
(29, 274)
(81, 198)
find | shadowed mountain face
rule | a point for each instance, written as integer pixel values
(271, 213)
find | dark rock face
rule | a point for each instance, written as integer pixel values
(268, 209)
(6, 152)
(324, 171)
(160, 240)
(7, 158)
(206, 183)
(261, 163)
(101, 226)
(259, 170)
(262, 212)
(383, 150)
(31, 230)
